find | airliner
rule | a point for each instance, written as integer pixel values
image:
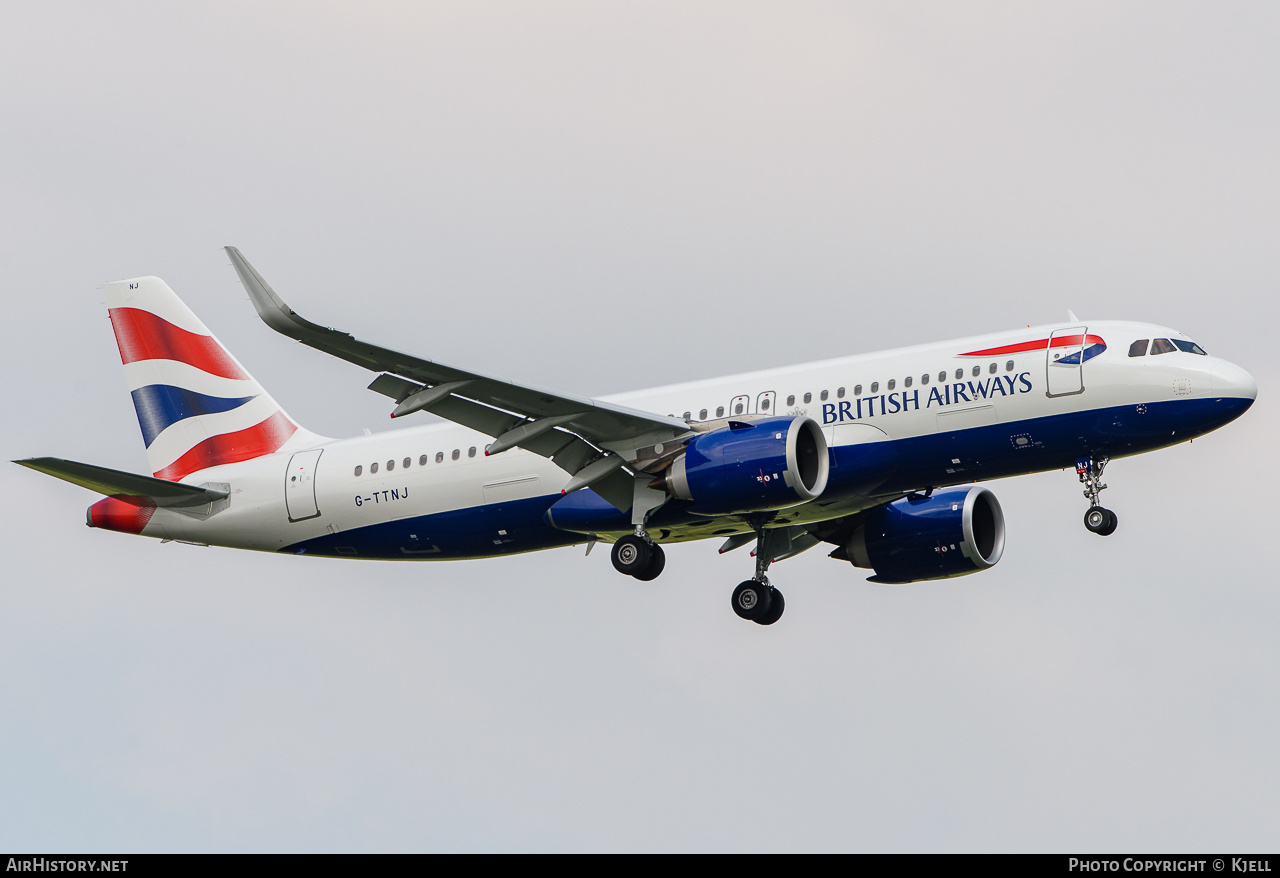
(874, 455)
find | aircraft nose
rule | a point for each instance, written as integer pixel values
(1228, 379)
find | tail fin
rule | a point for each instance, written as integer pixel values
(197, 406)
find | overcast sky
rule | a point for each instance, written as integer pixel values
(599, 197)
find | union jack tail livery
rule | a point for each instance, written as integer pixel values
(196, 405)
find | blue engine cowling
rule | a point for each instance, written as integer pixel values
(752, 466)
(953, 532)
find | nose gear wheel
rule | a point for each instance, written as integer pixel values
(1100, 521)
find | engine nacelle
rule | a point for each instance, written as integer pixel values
(954, 532)
(752, 466)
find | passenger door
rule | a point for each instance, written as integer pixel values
(1064, 361)
(300, 485)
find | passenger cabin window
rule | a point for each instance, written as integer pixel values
(373, 468)
(471, 452)
(942, 376)
(892, 383)
(1161, 346)
(737, 409)
(688, 416)
(875, 386)
(924, 379)
(764, 404)
(456, 454)
(407, 461)
(439, 457)
(823, 396)
(422, 461)
(791, 400)
(808, 397)
(959, 374)
(977, 370)
(1189, 346)
(1008, 367)
(702, 415)
(906, 382)
(992, 370)
(391, 464)
(359, 469)
(857, 390)
(1139, 347)
(839, 393)
(719, 411)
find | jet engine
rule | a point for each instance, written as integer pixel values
(949, 533)
(752, 466)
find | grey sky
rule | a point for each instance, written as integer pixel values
(599, 197)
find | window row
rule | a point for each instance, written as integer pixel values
(739, 404)
(422, 461)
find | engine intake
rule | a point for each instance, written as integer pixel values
(752, 466)
(952, 533)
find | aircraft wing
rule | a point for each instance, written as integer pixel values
(135, 489)
(596, 442)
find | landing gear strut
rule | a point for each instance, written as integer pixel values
(1097, 520)
(756, 599)
(637, 554)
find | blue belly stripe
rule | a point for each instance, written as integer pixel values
(908, 464)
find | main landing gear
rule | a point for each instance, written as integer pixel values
(756, 599)
(637, 555)
(1098, 520)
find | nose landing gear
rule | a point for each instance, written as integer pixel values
(1097, 520)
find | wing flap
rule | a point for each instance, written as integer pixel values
(567, 450)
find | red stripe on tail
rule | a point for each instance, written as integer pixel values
(141, 335)
(256, 441)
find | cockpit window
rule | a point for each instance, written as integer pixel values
(1189, 346)
(1139, 347)
(1162, 346)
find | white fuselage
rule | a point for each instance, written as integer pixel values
(925, 399)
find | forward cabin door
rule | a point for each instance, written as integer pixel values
(1065, 361)
(300, 485)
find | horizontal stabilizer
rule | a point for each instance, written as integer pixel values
(129, 487)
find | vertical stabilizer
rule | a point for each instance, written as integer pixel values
(196, 405)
